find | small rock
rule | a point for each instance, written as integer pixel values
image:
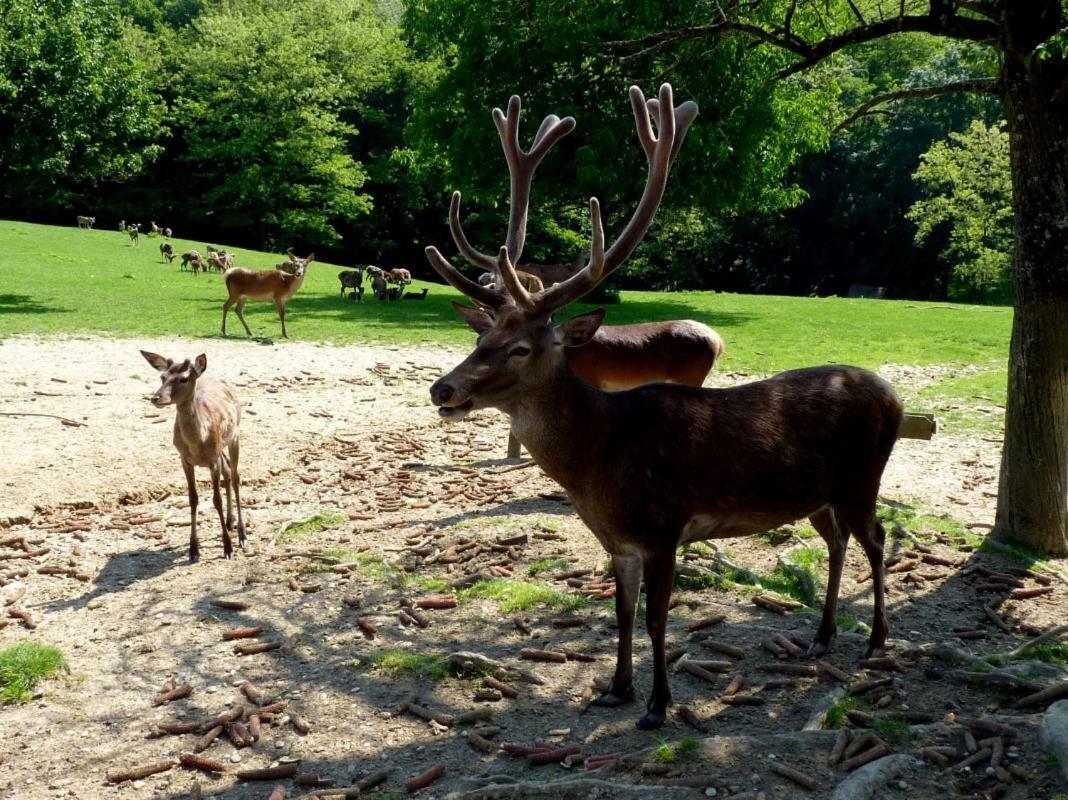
(711, 792)
(235, 758)
(138, 784)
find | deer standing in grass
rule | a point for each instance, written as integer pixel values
(264, 284)
(205, 435)
(660, 465)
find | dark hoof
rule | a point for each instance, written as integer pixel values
(194, 558)
(612, 699)
(817, 649)
(229, 555)
(651, 721)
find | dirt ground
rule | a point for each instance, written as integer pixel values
(349, 432)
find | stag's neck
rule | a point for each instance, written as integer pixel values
(560, 441)
(189, 420)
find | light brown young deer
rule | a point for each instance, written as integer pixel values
(86, 222)
(264, 284)
(657, 466)
(205, 435)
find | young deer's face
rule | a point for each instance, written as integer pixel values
(515, 353)
(178, 381)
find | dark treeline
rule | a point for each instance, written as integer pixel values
(341, 126)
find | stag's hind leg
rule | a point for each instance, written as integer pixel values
(837, 538)
(871, 535)
(628, 572)
(240, 309)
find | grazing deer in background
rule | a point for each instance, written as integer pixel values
(217, 261)
(86, 222)
(379, 287)
(192, 259)
(134, 231)
(167, 232)
(167, 251)
(154, 229)
(657, 466)
(532, 283)
(122, 226)
(350, 279)
(416, 295)
(264, 284)
(400, 275)
(205, 435)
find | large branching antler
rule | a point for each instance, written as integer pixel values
(660, 148)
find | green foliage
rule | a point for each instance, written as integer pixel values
(665, 753)
(520, 595)
(271, 93)
(423, 665)
(1049, 652)
(23, 666)
(970, 187)
(74, 108)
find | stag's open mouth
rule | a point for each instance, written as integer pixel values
(455, 413)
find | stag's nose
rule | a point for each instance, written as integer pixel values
(441, 392)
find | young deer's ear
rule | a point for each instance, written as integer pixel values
(309, 259)
(158, 362)
(577, 331)
(200, 364)
(478, 318)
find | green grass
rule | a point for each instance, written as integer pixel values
(1049, 652)
(836, 714)
(313, 524)
(895, 731)
(547, 565)
(23, 666)
(61, 280)
(423, 665)
(520, 595)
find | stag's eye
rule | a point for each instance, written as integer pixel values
(185, 379)
(519, 351)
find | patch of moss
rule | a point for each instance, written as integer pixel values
(1049, 652)
(895, 731)
(547, 565)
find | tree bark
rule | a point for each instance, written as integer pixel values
(1033, 488)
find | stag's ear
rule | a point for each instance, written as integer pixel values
(577, 331)
(478, 318)
(200, 364)
(309, 259)
(158, 362)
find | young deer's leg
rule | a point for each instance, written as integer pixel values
(837, 538)
(282, 316)
(628, 572)
(240, 309)
(216, 499)
(236, 480)
(659, 572)
(872, 536)
(224, 461)
(191, 483)
(226, 308)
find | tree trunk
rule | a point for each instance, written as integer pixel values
(1033, 490)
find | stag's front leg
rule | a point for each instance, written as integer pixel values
(628, 572)
(659, 571)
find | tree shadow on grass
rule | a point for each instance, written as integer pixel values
(24, 304)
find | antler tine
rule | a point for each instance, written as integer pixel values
(521, 165)
(506, 269)
(480, 294)
(660, 150)
(479, 259)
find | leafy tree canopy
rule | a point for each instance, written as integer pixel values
(74, 108)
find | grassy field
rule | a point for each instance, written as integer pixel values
(65, 281)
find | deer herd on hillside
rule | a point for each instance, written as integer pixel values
(616, 415)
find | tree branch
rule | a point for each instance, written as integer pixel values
(950, 26)
(978, 85)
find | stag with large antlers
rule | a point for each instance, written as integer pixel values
(654, 467)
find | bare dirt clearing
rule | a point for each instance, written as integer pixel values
(409, 510)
